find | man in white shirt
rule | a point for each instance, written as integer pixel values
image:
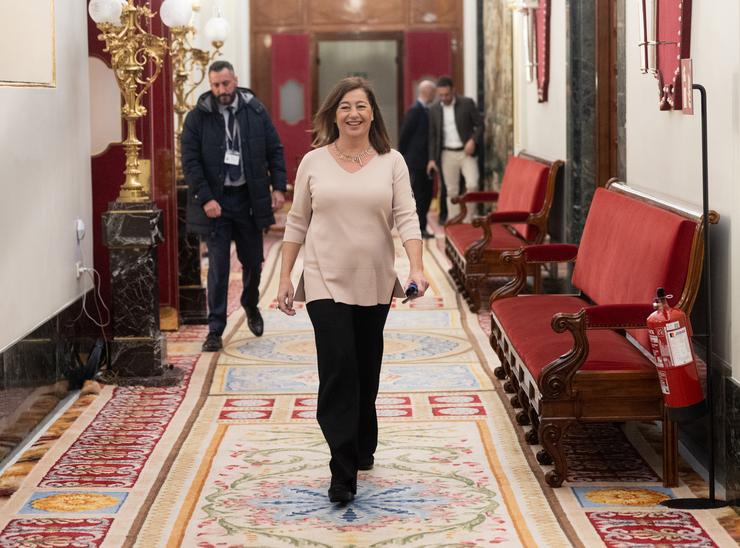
(455, 131)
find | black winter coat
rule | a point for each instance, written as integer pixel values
(203, 150)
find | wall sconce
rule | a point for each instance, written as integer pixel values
(665, 39)
(526, 8)
(131, 49)
(189, 63)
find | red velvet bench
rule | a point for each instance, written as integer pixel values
(523, 207)
(583, 357)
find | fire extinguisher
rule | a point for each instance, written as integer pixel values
(669, 331)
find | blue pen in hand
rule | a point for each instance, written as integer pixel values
(412, 291)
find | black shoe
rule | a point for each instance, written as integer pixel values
(340, 493)
(366, 463)
(427, 235)
(254, 320)
(212, 343)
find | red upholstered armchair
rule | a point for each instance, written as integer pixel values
(583, 357)
(522, 210)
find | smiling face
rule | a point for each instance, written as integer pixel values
(223, 86)
(354, 114)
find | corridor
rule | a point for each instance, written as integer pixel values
(234, 457)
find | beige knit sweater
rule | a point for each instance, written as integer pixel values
(345, 220)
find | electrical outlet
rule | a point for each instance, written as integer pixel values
(79, 229)
(79, 269)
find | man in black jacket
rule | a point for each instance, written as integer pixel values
(455, 131)
(414, 145)
(235, 171)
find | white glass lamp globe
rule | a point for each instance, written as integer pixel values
(217, 29)
(176, 13)
(106, 11)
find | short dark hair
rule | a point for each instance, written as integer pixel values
(445, 82)
(325, 131)
(218, 66)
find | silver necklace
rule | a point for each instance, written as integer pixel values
(358, 158)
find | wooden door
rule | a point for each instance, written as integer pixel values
(291, 96)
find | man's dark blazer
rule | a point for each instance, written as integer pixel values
(469, 124)
(413, 142)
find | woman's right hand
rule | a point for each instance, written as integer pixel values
(285, 297)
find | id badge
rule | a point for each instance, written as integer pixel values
(232, 157)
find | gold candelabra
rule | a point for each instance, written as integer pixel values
(132, 49)
(189, 69)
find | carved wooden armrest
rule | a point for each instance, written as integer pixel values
(475, 252)
(531, 254)
(555, 379)
(470, 197)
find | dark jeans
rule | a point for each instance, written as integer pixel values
(349, 344)
(236, 224)
(421, 184)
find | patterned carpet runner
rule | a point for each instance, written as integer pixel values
(234, 456)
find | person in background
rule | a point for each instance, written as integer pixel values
(234, 167)
(455, 129)
(350, 192)
(414, 145)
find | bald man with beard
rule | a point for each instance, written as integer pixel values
(413, 143)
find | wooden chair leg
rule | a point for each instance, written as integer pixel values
(522, 417)
(551, 434)
(532, 436)
(670, 453)
(473, 289)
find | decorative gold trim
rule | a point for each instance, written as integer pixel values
(53, 83)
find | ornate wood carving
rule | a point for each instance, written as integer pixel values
(434, 12)
(285, 13)
(356, 12)
(542, 35)
(673, 34)
(555, 379)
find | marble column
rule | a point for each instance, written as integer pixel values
(193, 303)
(131, 232)
(580, 170)
(499, 87)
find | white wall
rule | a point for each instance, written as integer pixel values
(236, 48)
(540, 128)
(45, 184)
(664, 148)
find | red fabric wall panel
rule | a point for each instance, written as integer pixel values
(427, 55)
(291, 69)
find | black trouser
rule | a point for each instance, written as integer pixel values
(349, 344)
(235, 223)
(421, 184)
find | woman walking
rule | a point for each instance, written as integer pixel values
(350, 192)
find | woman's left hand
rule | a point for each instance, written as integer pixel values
(417, 276)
